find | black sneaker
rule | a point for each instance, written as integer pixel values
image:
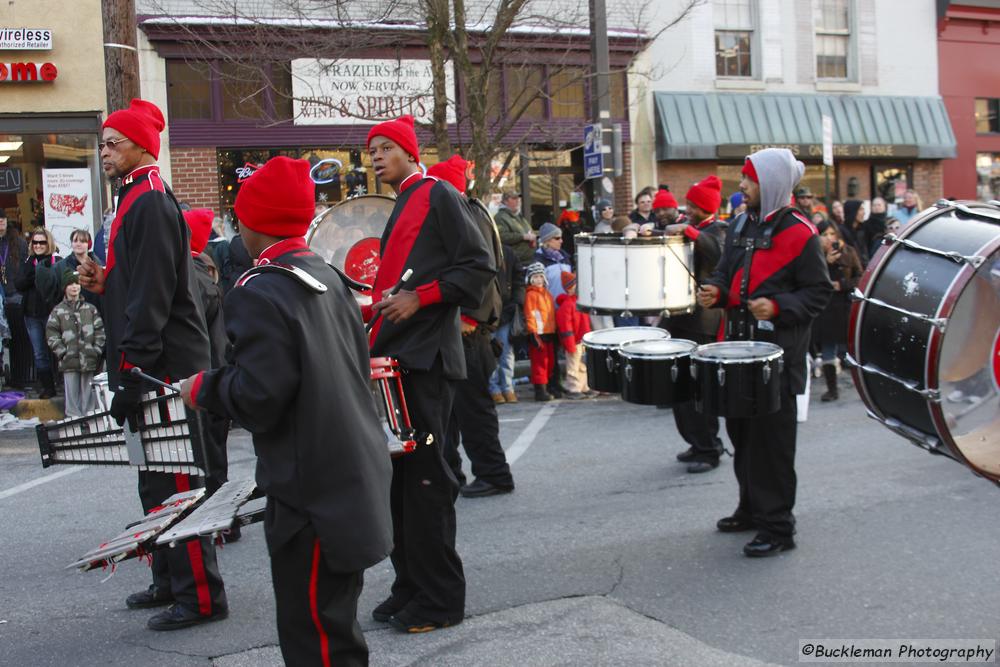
(736, 523)
(765, 544)
(407, 621)
(177, 617)
(386, 609)
(481, 488)
(702, 466)
(149, 598)
(687, 456)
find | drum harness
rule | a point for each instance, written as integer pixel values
(741, 326)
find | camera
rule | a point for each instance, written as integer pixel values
(836, 245)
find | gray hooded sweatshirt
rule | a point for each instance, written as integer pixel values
(779, 172)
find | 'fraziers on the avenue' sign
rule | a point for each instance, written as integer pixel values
(344, 92)
(25, 39)
(28, 72)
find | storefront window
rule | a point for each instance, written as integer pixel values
(189, 91)
(52, 180)
(891, 181)
(567, 93)
(988, 171)
(523, 86)
(243, 92)
(987, 115)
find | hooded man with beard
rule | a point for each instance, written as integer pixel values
(772, 282)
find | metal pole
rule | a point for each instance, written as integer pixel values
(826, 187)
(600, 95)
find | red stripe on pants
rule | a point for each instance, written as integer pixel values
(324, 641)
(183, 483)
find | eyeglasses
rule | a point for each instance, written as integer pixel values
(111, 144)
(39, 243)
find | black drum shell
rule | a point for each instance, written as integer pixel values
(649, 381)
(742, 393)
(599, 376)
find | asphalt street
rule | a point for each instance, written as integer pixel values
(606, 554)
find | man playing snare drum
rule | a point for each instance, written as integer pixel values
(772, 281)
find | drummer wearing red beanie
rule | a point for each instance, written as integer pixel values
(299, 371)
(699, 431)
(664, 208)
(153, 322)
(430, 233)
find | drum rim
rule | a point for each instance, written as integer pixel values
(654, 356)
(318, 220)
(614, 346)
(586, 239)
(777, 353)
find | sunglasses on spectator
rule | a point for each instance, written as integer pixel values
(33, 242)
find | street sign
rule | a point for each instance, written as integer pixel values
(827, 141)
(593, 156)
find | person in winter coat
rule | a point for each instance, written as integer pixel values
(604, 213)
(572, 325)
(853, 230)
(551, 255)
(874, 227)
(13, 250)
(540, 321)
(514, 229)
(845, 270)
(570, 224)
(39, 286)
(75, 334)
(511, 282)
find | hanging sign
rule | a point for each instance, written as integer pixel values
(68, 206)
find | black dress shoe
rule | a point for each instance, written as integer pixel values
(386, 609)
(149, 598)
(736, 523)
(702, 466)
(407, 621)
(687, 456)
(481, 488)
(765, 545)
(178, 617)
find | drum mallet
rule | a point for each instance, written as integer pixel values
(149, 378)
(398, 286)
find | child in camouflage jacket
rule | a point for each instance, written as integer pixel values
(75, 334)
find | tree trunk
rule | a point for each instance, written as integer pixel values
(121, 65)
(438, 19)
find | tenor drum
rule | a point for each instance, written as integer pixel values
(656, 372)
(737, 378)
(600, 351)
(347, 234)
(644, 275)
(924, 336)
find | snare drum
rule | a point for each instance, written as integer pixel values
(924, 335)
(737, 378)
(601, 353)
(644, 275)
(656, 372)
(400, 436)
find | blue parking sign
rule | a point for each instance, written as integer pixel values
(593, 155)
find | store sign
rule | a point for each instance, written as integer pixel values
(25, 39)
(68, 205)
(11, 180)
(815, 151)
(342, 92)
(326, 171)
(246, 171)
(28, 72)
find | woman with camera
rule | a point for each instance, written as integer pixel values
(845, 269)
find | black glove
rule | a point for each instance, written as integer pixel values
(127, 401)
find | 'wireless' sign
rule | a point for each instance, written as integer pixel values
(27, 72)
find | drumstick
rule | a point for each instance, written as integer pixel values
(398, 286)
(149, 378)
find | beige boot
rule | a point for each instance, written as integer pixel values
(510, 396)
(498, 398)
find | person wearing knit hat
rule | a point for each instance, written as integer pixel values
(664, 209)
(572, 325)
(785, 287)
(604, 213)
(433, 262)
(551, 255)
(540, 324)
(199, 221)
(700, 431)
(453, 170)
(153, 322)
(288, 386)
(75, 335)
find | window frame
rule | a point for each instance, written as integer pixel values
(992, 107)
(755, 55)
(851, 57)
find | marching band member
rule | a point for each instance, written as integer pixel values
(297, 379)
(699, 431)
(772, 281)
(430, 233)
(154, 322)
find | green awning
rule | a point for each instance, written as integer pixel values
(702, 126)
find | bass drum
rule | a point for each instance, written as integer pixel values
(924, 337)
(347, 235)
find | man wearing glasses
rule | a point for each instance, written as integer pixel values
(154, 322)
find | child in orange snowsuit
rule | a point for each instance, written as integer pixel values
(572, 325)
(540, 322)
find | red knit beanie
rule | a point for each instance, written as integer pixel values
(569, 215)
(451, 170)
(568, 280)
(142, 122)
(706, 194)
(278, 199)
(399, 131)
(200, 222)
(749, 171)
(664, 199)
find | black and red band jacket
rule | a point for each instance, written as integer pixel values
(152, 311)
(791, 272)
(430, 232)
(702, 325)
(297, 378)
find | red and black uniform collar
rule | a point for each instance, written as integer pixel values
(139, 172)
(410, 181)
(276, 250)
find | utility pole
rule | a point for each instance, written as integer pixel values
(600, 94)
(121, 57)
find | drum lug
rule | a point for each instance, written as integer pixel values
(766, 371)
(721, 374)
(628, 371)
(694, 371)
(674, 371)
(610, 363)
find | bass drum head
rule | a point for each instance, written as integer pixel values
(609, 339)
(969, 370)
(337, 230)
